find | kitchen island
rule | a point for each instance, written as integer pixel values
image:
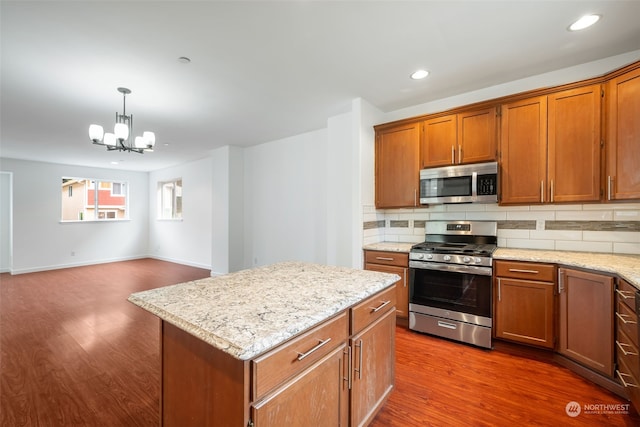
(287, 344)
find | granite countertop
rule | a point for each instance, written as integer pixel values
(251, 311)
(625, 266)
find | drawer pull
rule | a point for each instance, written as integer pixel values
(446, 325)
(622, 317)
(317, 347)
(622, 294)
(349, 367)
(359, 370)
(378, 308)
(384, 258)
(518, 270)
(621, 346)
(624, 383)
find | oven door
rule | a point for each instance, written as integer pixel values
(462, 289)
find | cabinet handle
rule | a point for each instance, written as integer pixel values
(560, 282)
(349, 367)
(626, 322)
(415, 197)
(378, 308)
(453, 154)
(384, 258)
(541, 191)
(622, 294)
(499, 286)
(551, 191)
(624, 383)
(518, 270)
(317, 347)
(621, 347)
(359, 370)
(459, 153)
(609, 179)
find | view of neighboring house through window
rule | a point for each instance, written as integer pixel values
(170, 199)
(85, 199)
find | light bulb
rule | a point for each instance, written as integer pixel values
(96, 133)
(110, 139)
(140, 142)
(150, 137)
(121, 130)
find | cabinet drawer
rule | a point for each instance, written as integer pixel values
(626, 320)
(372, 308)
(625, 376)
(526, 270)
(275, 367)
(627, 351)
(400, 259)
(626, 294)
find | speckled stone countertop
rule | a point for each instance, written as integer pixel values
(251, 311)
(389, 246)
(625, 266)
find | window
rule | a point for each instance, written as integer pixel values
(170, 199)
(94, 200)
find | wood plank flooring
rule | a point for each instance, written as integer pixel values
(74, 352)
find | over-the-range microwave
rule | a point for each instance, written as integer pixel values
(474, 183)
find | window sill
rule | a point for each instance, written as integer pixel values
(169, 219)
(79, 221)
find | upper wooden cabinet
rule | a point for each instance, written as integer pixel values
(397, 171)
(523, 147)
(623, 140)
(551, 148)
(468, 137)
(573, 134)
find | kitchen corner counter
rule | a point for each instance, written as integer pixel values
(625, 266)
(251, 311)
(389, 246)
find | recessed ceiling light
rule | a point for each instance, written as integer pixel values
(114, 163)
(584, 22)
(420, 74)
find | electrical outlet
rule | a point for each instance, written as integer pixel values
(540, 224)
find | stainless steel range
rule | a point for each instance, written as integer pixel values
(450, 281)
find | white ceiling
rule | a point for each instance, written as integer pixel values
(264, 70)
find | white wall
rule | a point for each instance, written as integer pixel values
(186, 241)
(6, 197)
(285, 185)
(42, 242)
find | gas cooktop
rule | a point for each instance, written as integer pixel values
(454, 248)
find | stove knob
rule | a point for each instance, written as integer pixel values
(429, 256)
(466, 259)
(446, 258)
(477, 260)
(419, 256)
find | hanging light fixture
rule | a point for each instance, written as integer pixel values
(121, 138)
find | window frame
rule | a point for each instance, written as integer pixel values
(97, 184)
(175, 210)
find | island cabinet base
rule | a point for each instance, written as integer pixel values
(201, 385)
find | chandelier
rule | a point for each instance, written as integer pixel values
(121, 138)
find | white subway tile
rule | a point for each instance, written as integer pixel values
(530, 244)
(486, 216)
(626, 248)
(556, 207)
(612, 236)
(626, 215)
(523, 216)
(449, 216)
(556, 234)
(591, 215)
(513, 234)
(466, 207)
(584, 246)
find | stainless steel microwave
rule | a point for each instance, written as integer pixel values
(475, 183)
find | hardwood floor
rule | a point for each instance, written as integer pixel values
(74, 352)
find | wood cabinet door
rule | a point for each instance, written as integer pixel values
(477, 137)
(397, 173)
(586, 319)
(525, 311)
(402, 290)
(317, 397)
(574, 145)
(439, 141)
(623, 171)
(523, 152)
(373, 368)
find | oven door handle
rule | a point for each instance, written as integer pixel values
(454, 268)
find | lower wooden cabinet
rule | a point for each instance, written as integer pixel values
(628, 341)
(319, 396)
(586, 321)
(396, 263)
(373, 369)
(525, 303)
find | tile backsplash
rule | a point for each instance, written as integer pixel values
(609, 228)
